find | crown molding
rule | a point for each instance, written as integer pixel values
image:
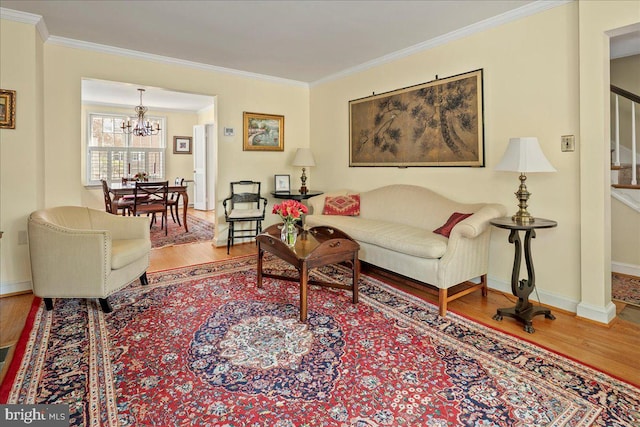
(504, 18)
(95, 47)
(26, 18)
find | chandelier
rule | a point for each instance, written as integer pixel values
(142, 127)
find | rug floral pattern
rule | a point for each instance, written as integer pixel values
(185, 351)
(199, 230)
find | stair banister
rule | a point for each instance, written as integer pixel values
(634, 162)
(617, 161)
(635, 99)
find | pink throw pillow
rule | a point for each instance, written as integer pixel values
(348, 205)
(446, 228)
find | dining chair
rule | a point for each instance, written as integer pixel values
(155, 203)
(244, 205)
(173, 200)
(123, 204)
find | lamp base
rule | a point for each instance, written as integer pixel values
(303, 180)
(523, 216)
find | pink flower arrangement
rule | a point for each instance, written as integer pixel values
(290, 210)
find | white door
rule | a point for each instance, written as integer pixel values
(199, 168)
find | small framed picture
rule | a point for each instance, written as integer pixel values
(181, 145)
(282, 183)
(229, 131)
(7, 109)
(262, 132)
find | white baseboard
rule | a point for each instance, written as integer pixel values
(10, 288)
(546, 297)
(586, 311)
(622, 268)
(596, 313)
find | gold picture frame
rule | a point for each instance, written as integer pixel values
(439, 123)
(262, 132)
(7, 109)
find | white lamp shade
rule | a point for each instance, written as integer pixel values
(524, 154)
(304, 158)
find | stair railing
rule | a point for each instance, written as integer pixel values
(634, 99)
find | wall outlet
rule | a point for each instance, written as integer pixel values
(22, 237)
(568, 143)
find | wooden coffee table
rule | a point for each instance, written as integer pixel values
(316, 247)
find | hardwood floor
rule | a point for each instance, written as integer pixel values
(614, 348)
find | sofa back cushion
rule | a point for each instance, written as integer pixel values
(411, 205)
(400, 203)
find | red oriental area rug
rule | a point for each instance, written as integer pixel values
(203, 346)
(199, 230)
(625, 288)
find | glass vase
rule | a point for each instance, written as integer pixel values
(289, 233)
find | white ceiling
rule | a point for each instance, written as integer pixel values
(102, 92)
(300, 41)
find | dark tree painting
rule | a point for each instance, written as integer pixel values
(438, 123)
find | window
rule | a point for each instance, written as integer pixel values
(112, 154)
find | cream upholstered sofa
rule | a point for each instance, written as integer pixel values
(395, 231)
(77, 252)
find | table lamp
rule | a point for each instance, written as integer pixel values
(524, 155)
(304, 158)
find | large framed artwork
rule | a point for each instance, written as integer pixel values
(263, 132)
(439, 123)
(7, 109)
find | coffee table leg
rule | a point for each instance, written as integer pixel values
(260, 254)
(304, 278)
(356, 278)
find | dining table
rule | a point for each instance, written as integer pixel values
(119, 189)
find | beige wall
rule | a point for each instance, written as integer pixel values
(596, 20)
(530, 89)
(625, 222)
(24, 157)
(625, 235)
(625, 73)
(21, 158)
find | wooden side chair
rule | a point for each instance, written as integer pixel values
(173, 200)
(123, 204)
(151, 199)
(245, 204)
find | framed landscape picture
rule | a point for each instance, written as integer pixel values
(439, 123)
(181, 145)
(263, 132)
(7, 109)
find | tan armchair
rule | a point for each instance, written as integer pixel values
(77, 252)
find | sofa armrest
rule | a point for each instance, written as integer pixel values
(68, 262)
(467, 254)
(120, 227)
(477, 223)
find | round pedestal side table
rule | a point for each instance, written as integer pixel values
(524, 311)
